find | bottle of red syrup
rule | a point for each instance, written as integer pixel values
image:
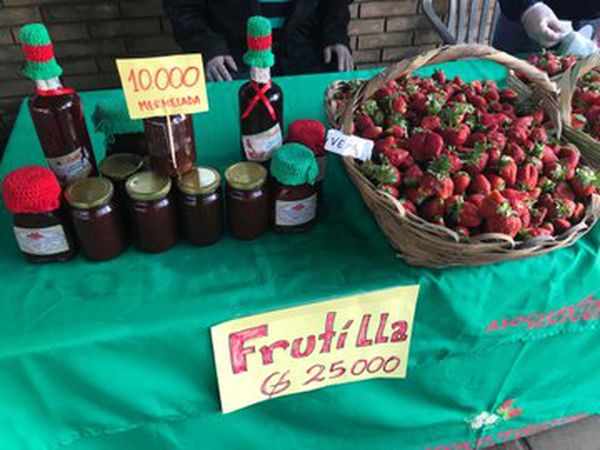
(260, 99)
(56, 110)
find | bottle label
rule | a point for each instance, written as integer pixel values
(42, 241)
(259, 147)
(297, 212)
(72, 167)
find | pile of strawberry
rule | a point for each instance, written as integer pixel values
(551, 63)
(586, 104)
(459, 155)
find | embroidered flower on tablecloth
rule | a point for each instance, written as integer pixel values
(486, 419)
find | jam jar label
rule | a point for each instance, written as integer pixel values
(72, 167)
(260, 146)
(296, 212)
(42, 241)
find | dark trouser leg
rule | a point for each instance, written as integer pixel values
(510, 37)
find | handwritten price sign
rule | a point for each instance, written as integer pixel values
(309, 347)
(163, 86)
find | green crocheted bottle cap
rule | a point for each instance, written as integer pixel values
(260, 39)
(39, 53)
(110, 117)
(294, 164)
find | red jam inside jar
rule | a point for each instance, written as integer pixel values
(247, 200)
(171, 149)
(201, 205)
(152, 212)
(96, 220)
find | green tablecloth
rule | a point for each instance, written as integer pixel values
(117, 355)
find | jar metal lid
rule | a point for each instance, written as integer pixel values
(148, 186)
(246, 176)
(199, 181)
(89, 193)
(121, 166)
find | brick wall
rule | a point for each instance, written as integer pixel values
(89, 35)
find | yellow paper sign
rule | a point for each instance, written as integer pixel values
(164, 85)
(309, 347)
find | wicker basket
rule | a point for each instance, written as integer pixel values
(567, 86)
(422, 243)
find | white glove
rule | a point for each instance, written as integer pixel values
(217, 69)
(344, 57)
(542, 25)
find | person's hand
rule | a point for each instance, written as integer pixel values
(344, 57)
(217, 69)
(542, 25)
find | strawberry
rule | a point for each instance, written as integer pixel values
(391, 190)
(463, 212)
(431, 123)
(492, 95)
(497, 139)
(578, 121)
(507, 169)
(480, 185)
(561, 208)
(548, 155)
(561, 225)
(476, 199)
(426, 146)
(409, 206)
(518, 135)
(518, 200)
(578, 213)
(527, 177)
(418, 102)
(383, 94)
(387, 174)
(563, 190)
(494, 157)
(536, 162)
(585, 182)
(491, 203)
(535, 232)
(372, 132)
(555, 171)
(396, 156)
(569, 156)
(412, 176)
(525, 218)
(496, 181)
(505, 221)
(461, 182)
(476, 160)
(538, 215)
(385, 144)
(508, 94)
(539, 135)
(398, 105)
(439, 76)
(415, 196)
(457, 136)
(516, 152)
(479, 102)
(463, 232)
(398, 131)
(362, 122)
(539, 116)
(432, 210)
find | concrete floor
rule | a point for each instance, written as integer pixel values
(582, 435)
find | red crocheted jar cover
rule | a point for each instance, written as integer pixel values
(31, 190)
(310, 133)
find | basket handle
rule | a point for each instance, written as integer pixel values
(540, 80)
(568, 83)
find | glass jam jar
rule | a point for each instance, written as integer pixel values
(247, 200)
(170, 157)
(294, 170)
(40, 226)
(201, 205)
(152, 213)
(118, 168)
(96, 220)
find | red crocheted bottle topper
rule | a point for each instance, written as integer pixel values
(310, 133)
(31, 190)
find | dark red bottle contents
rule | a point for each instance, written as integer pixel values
(152, 212)
(96, 220)
(294, 207)
(160, 150)
(261, 125)
(63, 135)
(201, 205)
(247, 200)
(41, 229)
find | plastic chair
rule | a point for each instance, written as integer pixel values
(466, 22)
